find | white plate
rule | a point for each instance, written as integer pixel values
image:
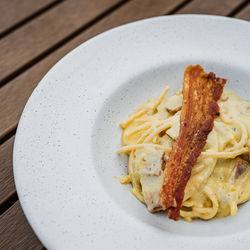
(65, 148)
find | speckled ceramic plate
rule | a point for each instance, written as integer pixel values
(65, 150)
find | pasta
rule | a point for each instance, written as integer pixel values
(220, 178)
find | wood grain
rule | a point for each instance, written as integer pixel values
(39, 35)
(14, 95)
(15, 232)
(15, 11)
(245, 13)
(211, 7)
(7, 186)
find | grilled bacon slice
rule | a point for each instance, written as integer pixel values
(201, 91)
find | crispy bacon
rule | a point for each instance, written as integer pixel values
(201, 91)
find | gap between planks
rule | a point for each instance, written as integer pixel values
(8, 203)
(239, 8)
(29, 18)
(60, 43)
(15, 232)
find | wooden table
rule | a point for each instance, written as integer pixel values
(34, 35)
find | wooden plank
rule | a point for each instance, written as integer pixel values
(15, 11)
(7, 186)
(15, 232)
(214, 7)
(44, 32)
(245, 13)
(14, 95)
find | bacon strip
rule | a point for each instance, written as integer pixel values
(201, 92)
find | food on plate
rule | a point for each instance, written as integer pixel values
(189, 153)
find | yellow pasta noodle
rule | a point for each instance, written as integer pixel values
(220, 179)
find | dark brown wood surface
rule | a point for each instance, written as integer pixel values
(244, 13)
(14, 12)
(15, 232)
(47, 30)
(7, 186)
(35, 35)
(215, 7)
